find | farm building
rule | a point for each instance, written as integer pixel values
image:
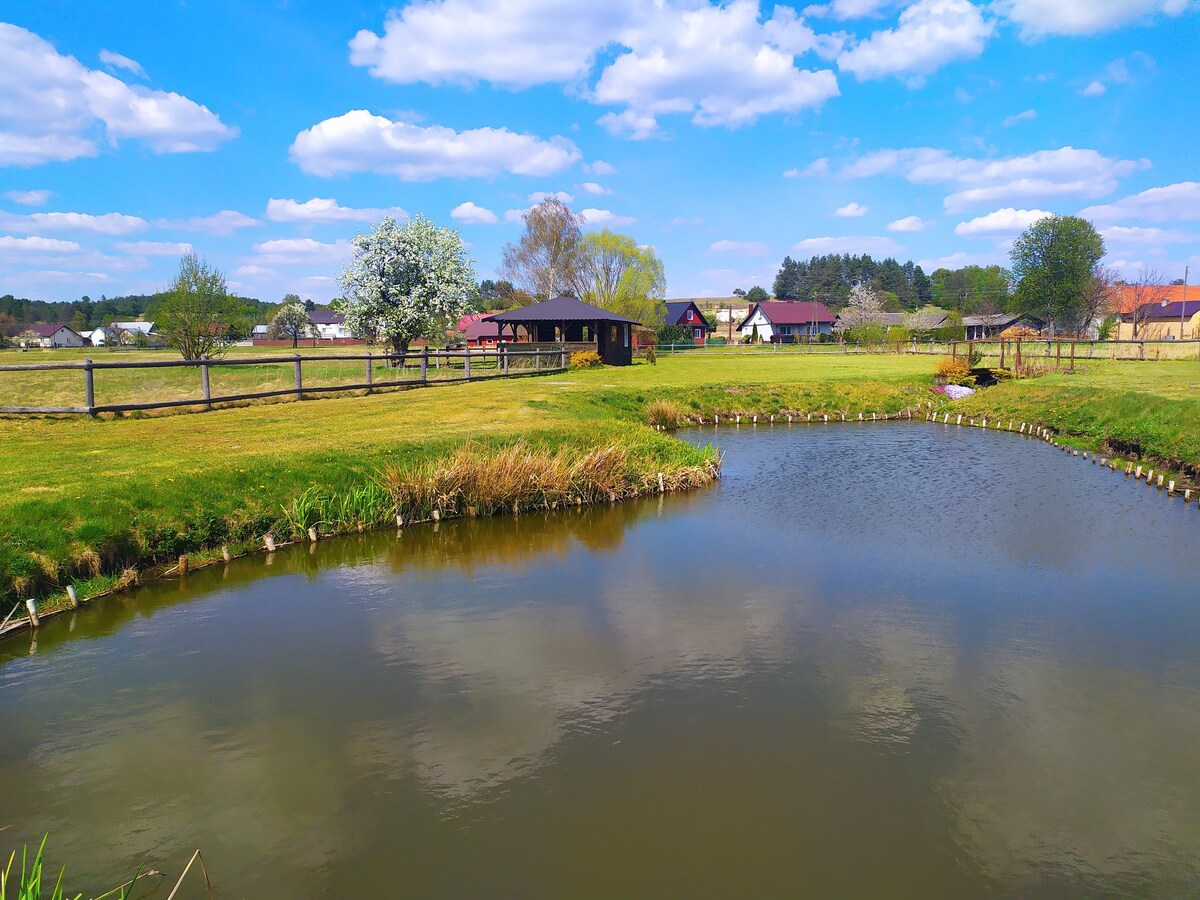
(50, 337)
(786, 321)
(565, 320)
(687, 314)
(1163, 320)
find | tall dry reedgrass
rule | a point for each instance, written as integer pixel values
(665, 413)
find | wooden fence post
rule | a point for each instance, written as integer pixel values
(89, 388)
(299, 379)
(371, 371)
(537, 359)
(467, 363)
(425, 363)
(205, 386)
(504, 351)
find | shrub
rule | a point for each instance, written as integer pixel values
(953, 371)
(651, 356)
(584, 359)
(665, 413)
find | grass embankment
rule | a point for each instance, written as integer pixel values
(81, 501)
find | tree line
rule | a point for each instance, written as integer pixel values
(86, 314)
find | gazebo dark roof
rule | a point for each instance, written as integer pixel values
(558, 309)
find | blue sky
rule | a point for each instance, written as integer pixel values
(265, 136)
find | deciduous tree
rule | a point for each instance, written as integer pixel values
(546, 260)
(617, 274)
(1052, 263)
(291, 321)
(197, 316)
(405, 282)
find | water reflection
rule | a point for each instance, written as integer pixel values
(929, 677)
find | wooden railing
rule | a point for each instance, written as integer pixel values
(420, 368)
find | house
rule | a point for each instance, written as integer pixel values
(980, 328)
(135, 332)
(330, 325)
(97, 337)
(565, 320)
(786, 321)
(687, 314)
(484, 334)
(50, 337)
(1164, 320)
(260, 332)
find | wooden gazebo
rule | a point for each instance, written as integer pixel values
(565, 320)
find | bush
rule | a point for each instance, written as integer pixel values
(651, 356)
(584, 359)
(953, 371)
(674, 334)
(665, 413)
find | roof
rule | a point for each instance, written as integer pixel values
(142, 327)
(677, 309)
(325, 317)
(43, 330)
(559, 309)
(1169, 310)
(465, 322)
(790, 312)
(479, 329)
(1126, 295)
(995, 320)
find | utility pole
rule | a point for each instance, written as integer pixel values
(1183, 305)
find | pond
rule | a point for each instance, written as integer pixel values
(876, 660)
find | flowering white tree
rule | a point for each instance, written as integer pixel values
(405, 282)
(291, 321)
(864, 307)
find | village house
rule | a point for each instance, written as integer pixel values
(981, 327)
(687, 314)
(786, 321)
(330, 325)
(50, 337)
(1167, 313)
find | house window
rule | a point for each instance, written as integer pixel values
(626, 335)
(698, 333)
(690, 316)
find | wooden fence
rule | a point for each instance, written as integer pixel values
(419, 368)
(1027, 350)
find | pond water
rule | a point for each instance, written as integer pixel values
(890, 660)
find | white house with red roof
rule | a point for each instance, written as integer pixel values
(786, 321)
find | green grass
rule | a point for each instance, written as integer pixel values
(81, 500)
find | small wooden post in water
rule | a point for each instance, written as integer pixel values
(225, 554)
(299, 379)
(75, 600)
(269, 542)
(31, 607)
(89, 388)
(205, 387)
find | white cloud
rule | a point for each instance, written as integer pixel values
(604, 217)
(848, 9)
(1002, 222)
(910, 223)
(361, 142)
(256, 272)
(1065, 172)
(719, 64)
(635, 126)
(818, 167)
(1131, 235)
(155, 248)
(226, 222)
(1027, 116)
(597, 190)
(40, 223)
(1173, 202)
(10, 244)
(538, 196)
(515, 216)
(851, 211)
(118, 61)
(600, 168)
(930, 34)
(514, 44)
(29, 198)
(876, 246)
(1095, 89)
(326, 210)
(960, 259)
(742, 248)
(1039, 18)
(53, 108)
(300, 252)
(473, 215)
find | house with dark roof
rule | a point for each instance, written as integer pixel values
(786, 321)
(980, 328)
(50, 337)
(687, 314)
(1163, 320)
(565, 320)
(330, 324)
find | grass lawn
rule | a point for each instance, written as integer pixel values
(138, 490)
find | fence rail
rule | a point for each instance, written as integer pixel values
(1039, 348)
(420, 368)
